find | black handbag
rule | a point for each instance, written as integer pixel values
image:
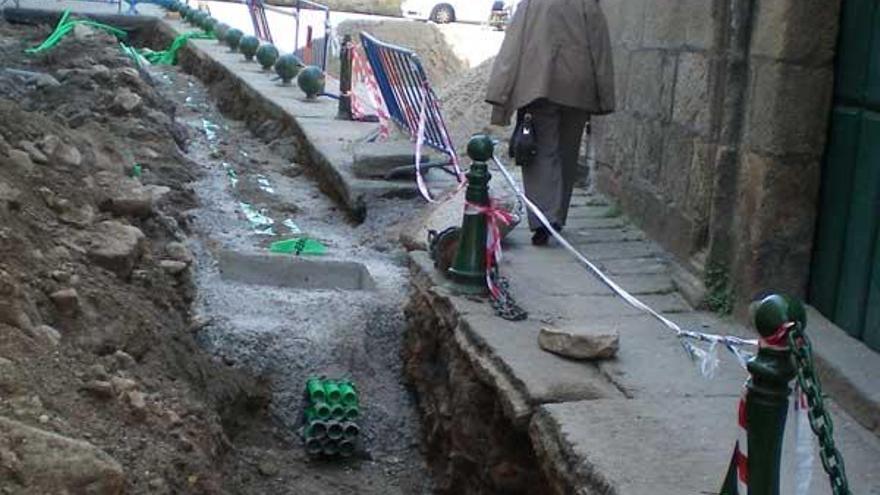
(523, 142)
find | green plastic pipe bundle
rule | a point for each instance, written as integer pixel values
(332, 409)
(65, 26)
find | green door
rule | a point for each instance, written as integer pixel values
(845, 277)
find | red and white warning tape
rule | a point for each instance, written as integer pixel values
(363, 75)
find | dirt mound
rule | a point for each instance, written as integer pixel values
(426, 40)
(465, 109)
(96, 354)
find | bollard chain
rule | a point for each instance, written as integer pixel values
(820, 420)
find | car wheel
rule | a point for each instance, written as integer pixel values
(443, 14)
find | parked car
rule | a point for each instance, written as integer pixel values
(445, 11)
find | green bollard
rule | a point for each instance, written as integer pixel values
(349, 393)
(315, 388)
(468, 270)
(334, 395)
(767, 396)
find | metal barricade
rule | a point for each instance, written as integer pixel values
(258, 18)
(405, 88)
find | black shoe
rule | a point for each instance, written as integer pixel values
(540, 237)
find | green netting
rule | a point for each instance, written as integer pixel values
(169, 56)
(65, 26)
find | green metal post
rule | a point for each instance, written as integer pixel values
(767, 396)
(468, 269)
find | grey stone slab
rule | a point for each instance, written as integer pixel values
(591, 235)
(619, 250)
(544, 377)
(646, 346)
(646, 284)
(638, 447)
(507, 353)
(576, 221)
(671, 447)
(637, 266)
(848, 369)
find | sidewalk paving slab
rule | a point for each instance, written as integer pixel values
(669, 447)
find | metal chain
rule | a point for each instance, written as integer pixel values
(820, 420)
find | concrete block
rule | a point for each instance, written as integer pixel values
(651, 84)
(692, 104)
(788, 111)
(801, 31)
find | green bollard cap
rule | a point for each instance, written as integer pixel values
(481, 148)
(315, 389)
(248, 46)
(233, 37)
(774, 310)
(267, 54)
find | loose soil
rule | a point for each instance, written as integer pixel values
(114, 331)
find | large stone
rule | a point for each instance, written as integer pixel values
(8, 194)
(34, 152)
(46, 462)
(580, 343)
(116, 246)
(12, 303)
(779, 122)
(179, 252)
(692, 106)
(651, 84)
(22, 161)
(66, 301)
(126, 101)
(68, 155)
(797, 31)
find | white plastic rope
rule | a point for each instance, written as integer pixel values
(706, 359)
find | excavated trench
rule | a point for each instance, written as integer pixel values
(342, 315)
(350, 313)
(287, 318)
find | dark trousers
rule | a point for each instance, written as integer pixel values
(551, 174)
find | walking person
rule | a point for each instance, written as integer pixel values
(554, 70)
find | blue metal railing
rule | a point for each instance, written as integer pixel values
(405, 87)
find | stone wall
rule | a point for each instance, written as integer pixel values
(716, 144)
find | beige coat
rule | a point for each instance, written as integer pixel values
(554, 49)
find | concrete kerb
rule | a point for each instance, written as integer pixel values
(325, 142)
